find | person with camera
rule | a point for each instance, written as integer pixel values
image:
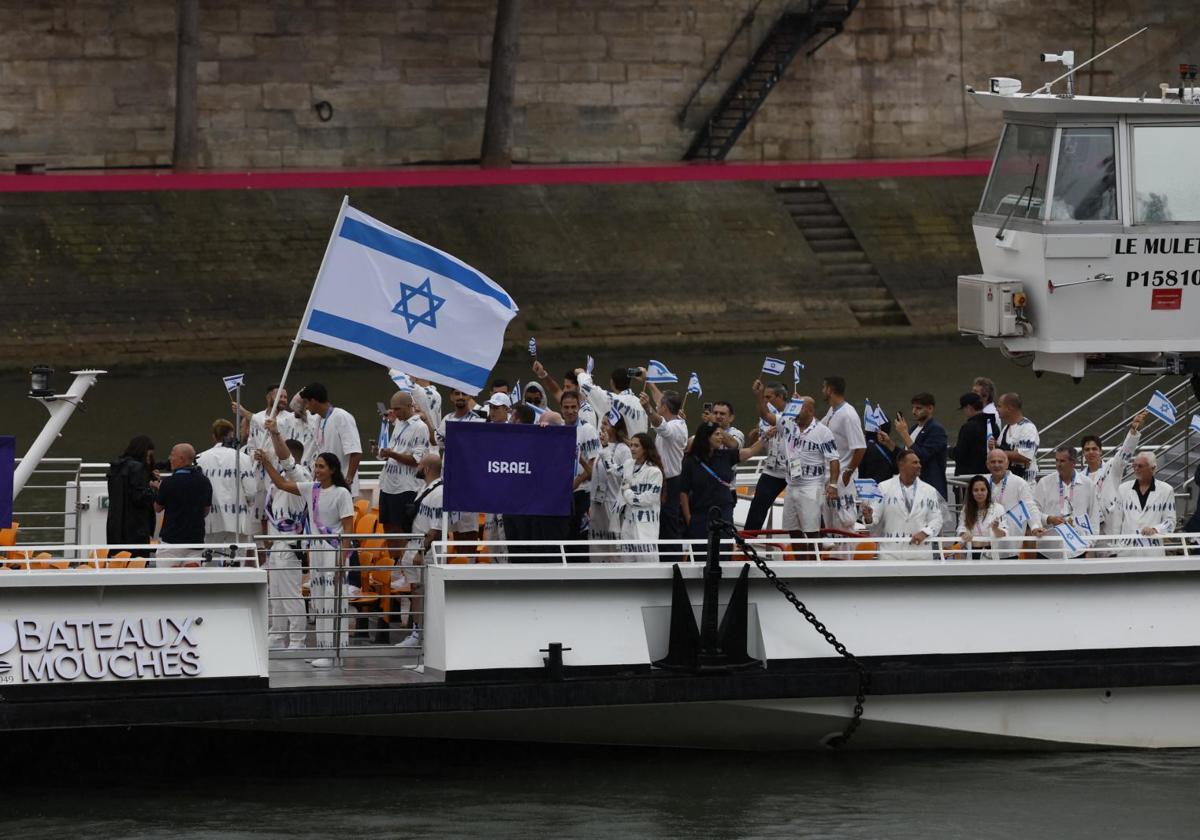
(619, 398)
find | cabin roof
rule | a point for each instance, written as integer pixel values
(1047, 104)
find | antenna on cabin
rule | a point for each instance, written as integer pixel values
(1068, 60)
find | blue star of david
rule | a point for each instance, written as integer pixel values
(407, 294)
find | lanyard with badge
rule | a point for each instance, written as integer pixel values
(796, 465)
(1068, 497)
(321, 429)
(1003, 486)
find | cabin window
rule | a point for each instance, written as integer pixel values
(1018, 181)
(1166, 181)
(1085, 181)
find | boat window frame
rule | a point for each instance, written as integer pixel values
(1118, 162)
(1151, 122)
(1032, 121)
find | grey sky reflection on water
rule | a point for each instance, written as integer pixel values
(518, 792)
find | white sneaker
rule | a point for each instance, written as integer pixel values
(324, 662)
(413, 640)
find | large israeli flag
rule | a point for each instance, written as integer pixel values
(390, 298)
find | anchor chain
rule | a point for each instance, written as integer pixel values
(864, 677)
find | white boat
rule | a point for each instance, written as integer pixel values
(1087, 234)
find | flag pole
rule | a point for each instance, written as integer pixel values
(237, 463)
(287, 368)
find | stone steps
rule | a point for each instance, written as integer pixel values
(845, 266)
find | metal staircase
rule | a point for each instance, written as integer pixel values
(844, 265)
(1176, 447)
(821, 19)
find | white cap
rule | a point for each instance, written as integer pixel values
(500, 399)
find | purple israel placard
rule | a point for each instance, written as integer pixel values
(509, 468)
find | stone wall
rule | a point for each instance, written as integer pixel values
(91, 82)
(172, 277)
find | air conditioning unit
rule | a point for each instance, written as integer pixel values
(988, 306)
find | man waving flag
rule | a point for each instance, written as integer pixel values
(385, 296)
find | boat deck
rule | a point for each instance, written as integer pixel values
(354, 670)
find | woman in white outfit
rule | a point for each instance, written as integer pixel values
(605, 512)
(330, 512)
(641, 493)
(982, 523)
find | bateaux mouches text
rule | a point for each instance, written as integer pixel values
(90, 649)
(509, 467)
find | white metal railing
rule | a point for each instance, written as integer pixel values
(31, 557)
(782, 546)
(330, 596)
(48, 506)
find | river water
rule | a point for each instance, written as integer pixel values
(180, 405)
(227, 786)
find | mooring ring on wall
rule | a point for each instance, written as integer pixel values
(324, 110)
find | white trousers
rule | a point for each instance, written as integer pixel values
(322, 596)
(802, 505)
(285, 604)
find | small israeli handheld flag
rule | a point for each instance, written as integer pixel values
(657, 373)
(1073, 543)
(796, 368)
(402, 380)
(694, 385)
(383, 433)
(867, 488)
(1086, 522)
(232, 383)
(613, 417)
(533, 347)
(869, 423)
(590, 365)
(792, 410)
(1161, 407)
(1019, 514)
(1195, 426)
(880, 416)
(773, 366)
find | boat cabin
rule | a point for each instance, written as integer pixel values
(1088, 233)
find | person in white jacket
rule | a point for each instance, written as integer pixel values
(909, 510)
(641, 492)
(606, 501)
(1008, 491)
(981, 523)
(1065, 497)
(234, 487)
(1108, 475)
(1146, 508)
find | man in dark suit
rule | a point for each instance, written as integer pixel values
(970, 450)
(928, 439)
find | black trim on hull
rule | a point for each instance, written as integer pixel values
(924, 674)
